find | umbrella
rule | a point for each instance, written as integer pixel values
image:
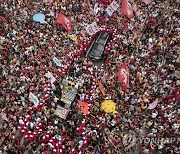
(39, 17)
(108, 106)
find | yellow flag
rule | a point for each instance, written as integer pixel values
(73, 37)
(28, 48)
(174, 39)
(160, 44)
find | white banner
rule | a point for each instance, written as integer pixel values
(95, 27)
(109, 10)
(33, 99)
(112, 7)
(96, 8)
(57, 62)
(92, 28)
(50, 77)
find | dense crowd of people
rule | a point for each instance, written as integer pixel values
(148, 43)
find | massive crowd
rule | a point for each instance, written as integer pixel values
(148, 43)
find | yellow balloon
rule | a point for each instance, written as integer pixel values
(108, 106)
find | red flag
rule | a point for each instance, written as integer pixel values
(31, 3)
(104, 2)
(123, 76)
(101, 87)
(147, 1)
(51, 2)
(127, 9)
(65, 21)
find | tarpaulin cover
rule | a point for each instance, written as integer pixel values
(123, 76)
(127, 9)
(147, 1)
(65, 21)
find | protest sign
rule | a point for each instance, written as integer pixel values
(50, 77)
(123, 76)
(57, 62)
(84, 106)
(61, 112)
(92, 28)
(33, 99)
(96, 8)
(112, 8)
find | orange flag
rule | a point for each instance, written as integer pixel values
(101, 87)
(84, 106)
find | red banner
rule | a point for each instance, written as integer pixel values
(123, 76)
(105, 2)
(65, 21)
(127, 9)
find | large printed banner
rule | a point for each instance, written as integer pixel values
(92, 28)
(65, 21)
(123, 76)
(112, 8)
